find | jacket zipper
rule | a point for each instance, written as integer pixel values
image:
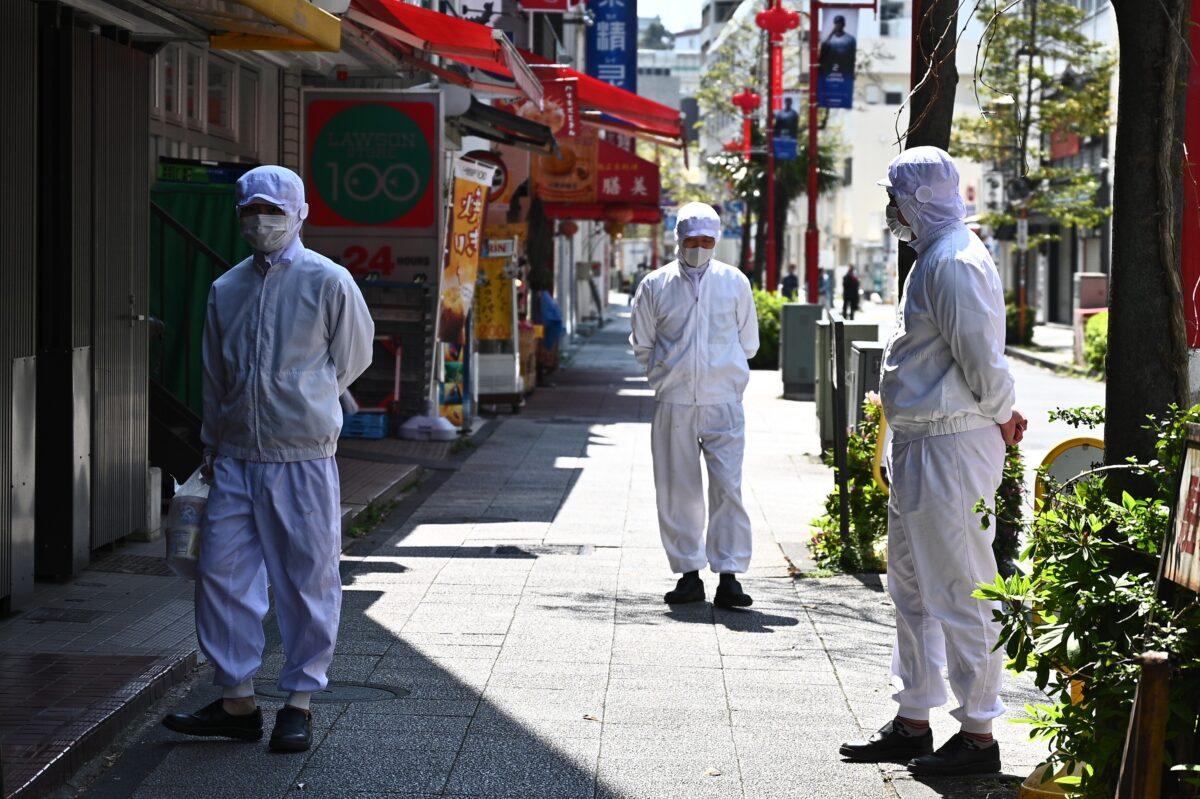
(262, 298)
(696, 345)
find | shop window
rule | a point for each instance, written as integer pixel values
(248, 109)
(219, 96)
(192, 81)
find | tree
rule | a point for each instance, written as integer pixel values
(1031, 102)
(656, 36)
(1147, 346)
(931, 102)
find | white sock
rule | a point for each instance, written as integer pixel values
(243, 690)
(300, 699)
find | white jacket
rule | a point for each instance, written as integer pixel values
(281, 342)
(695, 344)
(944, 369)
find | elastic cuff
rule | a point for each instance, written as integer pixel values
(243, 690)
(914, 713)
(978, 727)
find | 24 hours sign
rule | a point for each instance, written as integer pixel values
(371, 172)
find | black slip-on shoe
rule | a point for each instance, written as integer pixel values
(690, 588)
(730, 594)
(957, 757)
(293, 730)
(211, 721)
(888, 744)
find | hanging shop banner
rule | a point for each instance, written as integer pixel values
(559, 111)
(835, 70)
(624, 178)
(494, 300)
(371, 174)
(1181, 560)
(570, 176)
(612, 42)
(471, 183)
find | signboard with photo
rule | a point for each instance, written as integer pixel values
(1181, 560)
(839, 47)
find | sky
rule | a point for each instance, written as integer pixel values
(677, 15)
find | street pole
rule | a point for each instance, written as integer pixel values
(774, 52)
(811, 237)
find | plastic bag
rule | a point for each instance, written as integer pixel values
(183, 526)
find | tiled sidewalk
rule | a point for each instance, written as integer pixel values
(515, 611)
(87, 656)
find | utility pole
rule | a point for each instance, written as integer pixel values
(811, 236)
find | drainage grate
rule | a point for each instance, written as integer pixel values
(339, 692)
(536, 550)
(132, 564)
(73, 615)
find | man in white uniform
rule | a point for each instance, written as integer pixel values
(694, 330)
(948, 397)
(287, 332)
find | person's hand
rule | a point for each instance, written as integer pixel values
(206, 468)
(1014, 429)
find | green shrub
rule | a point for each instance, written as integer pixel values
(866, 548)
(1089, 607)
(769, 307)
(863, 551)
(1095, 342)
(1013, 334)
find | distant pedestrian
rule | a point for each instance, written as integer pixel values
(287, 331)
(790, 284)
(850, 293)
(948, 397)
(694, 330)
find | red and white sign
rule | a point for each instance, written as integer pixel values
(622, 177)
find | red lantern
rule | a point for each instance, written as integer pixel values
(732, 146)
(746, 100)
(619, 214)
(567, 228)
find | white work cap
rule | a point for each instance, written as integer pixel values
(697, 219)
(276, 186)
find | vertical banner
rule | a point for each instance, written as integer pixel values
(612, 43)
(835, 69)
(372, 180)
(472, 181)
(494, 301)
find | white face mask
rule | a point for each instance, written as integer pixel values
(267, 233)
(697, 257)
(898, 228)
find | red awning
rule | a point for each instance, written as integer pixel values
(640, 114)
(421, 32)
(642, 214)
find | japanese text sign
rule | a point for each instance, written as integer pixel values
(622, 177)
(471, 183)
(612, 42)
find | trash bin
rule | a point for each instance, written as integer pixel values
(854, 331)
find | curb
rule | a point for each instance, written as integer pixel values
(136, 698)
(387, 495)
(1034, 359)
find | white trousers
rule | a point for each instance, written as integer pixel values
(938, 552)
(280, 521)
(679, 436)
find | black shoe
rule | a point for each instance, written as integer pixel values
(957, 757)
(690, 588)
(730, 594)
(293, 730)
(889, 744)
(211, 721)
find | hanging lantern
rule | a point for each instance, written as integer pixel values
(619, 214)
(614, 229)
(567, 228)
(747, 100)
(733, 146)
